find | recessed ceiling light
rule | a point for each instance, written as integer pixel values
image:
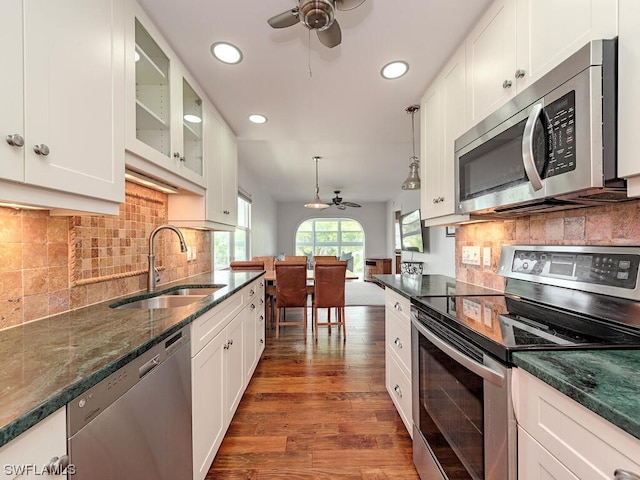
(394, 69)
(192, 118)
(227, 53)
(257, 118)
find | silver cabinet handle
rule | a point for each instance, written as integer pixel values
(252, 292)
(15, 140)
(252, 306)
(398, 390)
(178, 156)
(261, 318)
(57, 465)
(398, 307)
(41, 149)
(507, 84)
(520, 73)
(625, 475)
(261, 341)
(398, 342)
(527, 148)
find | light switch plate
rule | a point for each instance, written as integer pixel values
(486, 256)
(471, 255)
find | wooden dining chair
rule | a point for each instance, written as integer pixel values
(268, 261)
(246, 265)
(295, 258)
(329, 286)
(291, 291)
(324, 259)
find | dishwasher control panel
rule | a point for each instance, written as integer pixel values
(84, 408)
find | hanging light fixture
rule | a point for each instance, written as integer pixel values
(413, 180)
(316, 202)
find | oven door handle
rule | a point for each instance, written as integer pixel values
(527, 148)
(479, 369)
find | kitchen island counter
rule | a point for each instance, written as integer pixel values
(48, 362)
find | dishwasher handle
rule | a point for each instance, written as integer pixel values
(148, 366)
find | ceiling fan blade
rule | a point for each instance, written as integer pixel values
(348, 4)
(332, 36)
(285, 19)
(351, 204)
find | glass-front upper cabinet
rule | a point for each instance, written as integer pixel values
(192, 129)
(153, 112)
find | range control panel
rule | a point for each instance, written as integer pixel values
(600, 268)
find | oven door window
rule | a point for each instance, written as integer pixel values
(451, 413)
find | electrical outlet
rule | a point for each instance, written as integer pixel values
(193, 252)
(486, 256)
(188, 254)
(471, 255)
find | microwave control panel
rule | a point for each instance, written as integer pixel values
(560, 119)
(607, 269)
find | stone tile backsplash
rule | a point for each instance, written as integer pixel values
(615, 224)
(50, 264)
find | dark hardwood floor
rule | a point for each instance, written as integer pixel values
(319, 411)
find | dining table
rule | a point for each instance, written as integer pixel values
(270, 276)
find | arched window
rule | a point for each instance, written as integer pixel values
(332, 236)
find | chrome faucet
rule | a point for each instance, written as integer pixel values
(154, 276)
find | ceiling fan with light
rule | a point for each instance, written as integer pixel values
(316, 15)
(338, 202)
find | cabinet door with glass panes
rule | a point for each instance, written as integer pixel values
(164, 109)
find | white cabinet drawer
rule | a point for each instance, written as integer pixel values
(211, 323)
(401, 305)
(536, 463)
(398, 338)
(587, 444)
(399, 388)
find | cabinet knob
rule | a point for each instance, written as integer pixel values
(252, 307)
(507, 84)
(520, 73)
(226, 212)
(15, 140)
(398, 342)
(261, 341)
(57, 465)
(41, 149)
(398, 390)
(398, 307)
(621, 474)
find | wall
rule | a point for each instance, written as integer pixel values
(440, 257)
(616, 224)
(371, 216)
(263, 213)
(49, 264)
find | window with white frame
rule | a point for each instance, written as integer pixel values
(229, 246)
(332, 236)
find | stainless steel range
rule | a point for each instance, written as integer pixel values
(555, 298)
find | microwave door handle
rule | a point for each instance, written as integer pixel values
(479, 369)
(527, 148)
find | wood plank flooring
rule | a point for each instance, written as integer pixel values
(319, 411)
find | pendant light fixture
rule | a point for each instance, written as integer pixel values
(316, 202)
(413, 180)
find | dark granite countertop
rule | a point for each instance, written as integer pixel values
(48, 362)
(607, 382)
(431, 286)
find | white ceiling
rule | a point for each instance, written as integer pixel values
(344, 112)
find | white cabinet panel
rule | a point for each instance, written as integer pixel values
(72, 90)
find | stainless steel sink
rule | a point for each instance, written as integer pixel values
(202, 291)
(162, 301)
(174, 298)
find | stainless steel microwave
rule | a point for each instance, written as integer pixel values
(553, 146)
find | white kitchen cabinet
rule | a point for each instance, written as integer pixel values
(161, 141)
(398, 354)
(254, 330)
(628, 92)
(442, 121)
(491, 60)
(221, 347)
(558, 435)
(218, 208)
(25, 456)
(518, 41)
(62, 96)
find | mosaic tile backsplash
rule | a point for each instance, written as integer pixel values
(50, 264)
(615, 224)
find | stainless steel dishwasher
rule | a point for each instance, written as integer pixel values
(136, 423)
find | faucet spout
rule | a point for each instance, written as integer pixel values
(153, 277)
